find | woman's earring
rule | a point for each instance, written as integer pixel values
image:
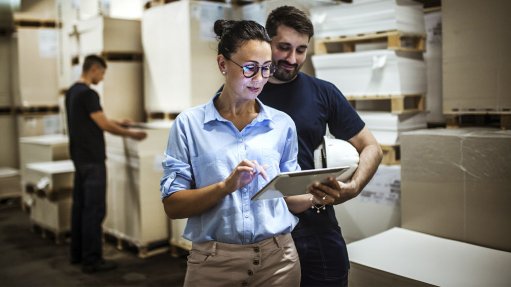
(223, 72)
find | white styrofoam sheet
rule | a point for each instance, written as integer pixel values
(432, 259)
(377, 72)
(368, 17)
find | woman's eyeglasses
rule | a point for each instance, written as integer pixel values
(250, 70)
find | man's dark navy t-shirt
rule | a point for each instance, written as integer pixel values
(313, 104)
(86, 138)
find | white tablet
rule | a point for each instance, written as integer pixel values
(296, 182)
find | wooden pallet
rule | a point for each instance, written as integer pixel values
(37, 109)
(37, 23)
(59, 236)
(391, 154)
(143, 250)
(161, 116)
(495, 119)
(396, 104)
(394, 40)
(156, 3)
(122, 56)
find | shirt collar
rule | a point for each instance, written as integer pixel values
(212, 114)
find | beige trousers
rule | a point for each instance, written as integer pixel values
(271, 262)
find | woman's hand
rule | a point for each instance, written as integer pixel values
(243, 174)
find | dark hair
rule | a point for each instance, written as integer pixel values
(92, 60)
(291, 17)
(232, 34)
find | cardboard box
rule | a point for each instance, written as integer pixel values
(401, 257)
(370, 73)
(134, 209)
(109, 35)
(52, 201)
(193, 77)
(476, 62)
(455, 184)
(376, 209)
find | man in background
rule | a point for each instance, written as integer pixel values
(313, 104)
(86, 123)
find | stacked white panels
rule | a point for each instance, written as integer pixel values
(376, 209)
(35, 77)
(377, 72)
(40, 149)
(180, 48)
(368, 17)
(105, 34)
(134, 210)
(119, 41)
(433, 61)
(387, 127)
(10, 186)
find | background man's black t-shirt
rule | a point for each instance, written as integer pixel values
(86, 138)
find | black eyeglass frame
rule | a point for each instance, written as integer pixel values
(246, 70)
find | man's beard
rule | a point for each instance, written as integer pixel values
(284, 75)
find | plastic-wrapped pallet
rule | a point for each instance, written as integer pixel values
(386, 127)
(134, 210)
(377, 72)
(181, 73)
(368, 17)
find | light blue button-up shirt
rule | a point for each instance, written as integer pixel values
(203, 149)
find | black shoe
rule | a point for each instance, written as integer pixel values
(101, 266)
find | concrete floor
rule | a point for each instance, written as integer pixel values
(27, 259)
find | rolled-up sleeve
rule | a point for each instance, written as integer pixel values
(177, 173)
(289, 160)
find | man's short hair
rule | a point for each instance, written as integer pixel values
(92, 60)
(291, 17)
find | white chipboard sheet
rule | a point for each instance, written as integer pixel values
(430, 259)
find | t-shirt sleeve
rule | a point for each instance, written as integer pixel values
(92, 103)
(344, 122)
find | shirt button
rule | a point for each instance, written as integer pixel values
(256, 262)
(244, 283)
(246, 215)
(250, 273)
(256, 249)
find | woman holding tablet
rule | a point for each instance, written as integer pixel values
(218, 156)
